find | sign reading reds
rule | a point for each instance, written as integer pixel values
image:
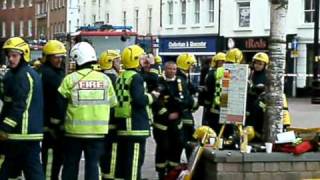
(249, 43)
(256, 43)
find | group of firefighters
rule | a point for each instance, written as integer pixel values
(106, 112)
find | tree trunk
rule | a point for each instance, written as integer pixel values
(275, 74)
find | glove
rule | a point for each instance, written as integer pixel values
(3, 136)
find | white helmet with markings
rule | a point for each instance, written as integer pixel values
(82, 53)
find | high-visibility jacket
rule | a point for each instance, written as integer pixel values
(22, 112)
(131, 113)
(219, 73)
(90, 95)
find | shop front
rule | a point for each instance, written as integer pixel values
(248, 45)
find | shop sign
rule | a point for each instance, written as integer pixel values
(188, 44)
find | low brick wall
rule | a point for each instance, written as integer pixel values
(233, 165)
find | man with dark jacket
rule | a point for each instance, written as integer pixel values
(167, 126)
(21, 118)
(52, 74)
(133, 125)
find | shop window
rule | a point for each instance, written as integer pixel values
(244, 14)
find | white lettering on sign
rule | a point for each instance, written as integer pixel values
(91, 85)
(187, 44)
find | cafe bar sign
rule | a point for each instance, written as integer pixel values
(250, 43)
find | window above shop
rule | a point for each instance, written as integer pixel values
(211, 11)
(243, 14)
(183, 12)
(196, 11)
(4, 4)
(308, 11)
(170, 12)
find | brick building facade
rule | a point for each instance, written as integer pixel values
(17, 18)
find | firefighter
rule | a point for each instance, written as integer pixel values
(21, 118)
(232, 56)
(167, 126)
(257, 81)
(185, 64)
(132, 119)
(256, 96)
(109, 62)
(216, 62)
(149, 75)
(52, 74)
(90, 96)
(156, 68)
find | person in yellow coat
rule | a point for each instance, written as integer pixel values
(90, 96)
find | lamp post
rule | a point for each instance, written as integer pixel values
(315, 99)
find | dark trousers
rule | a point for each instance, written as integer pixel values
(131, 151)
(108, 158)
(73, 148)
(52, 156)
(169, 145)
(188, 130)
(22, 155)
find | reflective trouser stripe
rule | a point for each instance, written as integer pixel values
(160, 126)
(161, 165)
(112, 170)
(188, 121)
(49, 164)
(173, 164)
(135, 162)
(2, 157)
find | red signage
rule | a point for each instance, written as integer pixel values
(252, 43)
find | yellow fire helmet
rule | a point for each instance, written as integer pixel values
(234, 56)
(261, 56)
(250, 132)
(107, 57)
(218, 57)
(17, 43)
(130, 56)
(158, 59)
(53, 47)
(203, 131)
(185, 61)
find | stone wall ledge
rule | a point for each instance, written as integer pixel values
(236, 156)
